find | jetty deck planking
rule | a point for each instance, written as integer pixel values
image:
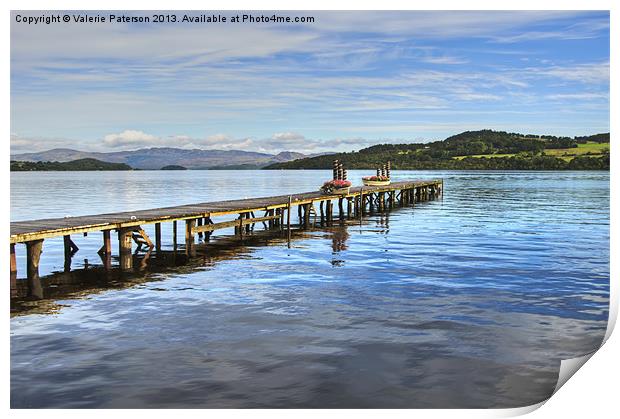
(198, 217)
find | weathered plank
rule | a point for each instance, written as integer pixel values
(29, 230)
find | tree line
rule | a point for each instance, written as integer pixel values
(525, 152)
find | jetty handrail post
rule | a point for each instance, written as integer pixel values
(288, 221)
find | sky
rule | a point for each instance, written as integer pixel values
(344, 82)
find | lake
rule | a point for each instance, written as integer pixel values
(469, 300)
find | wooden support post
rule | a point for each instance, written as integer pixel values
(158, 237)
(33, 257)
(107, 243)
(174, 235)
(340, 208)
(189, 237)
(330, 209)
(67, 245)
(307, 215)
(349, 207)
(248, 227)
(281, 217)
(125, 237)
(362, 203)
(300, 214)
(322, 210)
(199, 223)
(240, 228)
(270, 223)
(13, 260)
(288, 221)
(105, 253)
(392, 199)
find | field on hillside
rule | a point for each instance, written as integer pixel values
(590, 148)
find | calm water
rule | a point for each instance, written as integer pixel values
(470, 300)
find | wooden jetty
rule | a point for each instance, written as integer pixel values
(201, 219)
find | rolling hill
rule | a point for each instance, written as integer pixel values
(475, 150)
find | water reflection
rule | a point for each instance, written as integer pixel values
(149, 265)
(471, 301)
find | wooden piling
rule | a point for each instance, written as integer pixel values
(105, 252)
(124, 248)
(288, 221)
(198, 224)
(330, 209)
(158, 237)
(307, 215)
(13, 260)
(174, 235)
(33, 257)
(189, 237)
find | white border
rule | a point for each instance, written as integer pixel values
(591, 393)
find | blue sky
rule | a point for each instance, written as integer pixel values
(349, 80)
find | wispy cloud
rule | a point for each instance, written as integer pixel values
(122, 86)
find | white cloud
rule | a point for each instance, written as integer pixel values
(130, 138)
(590, 73)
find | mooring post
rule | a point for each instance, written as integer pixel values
(189, 237)
(124, 247)
(158, 237)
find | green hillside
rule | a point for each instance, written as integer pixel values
(485, 149)
(74, 165)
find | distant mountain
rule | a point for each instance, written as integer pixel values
(74, 165)
(156, 158)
